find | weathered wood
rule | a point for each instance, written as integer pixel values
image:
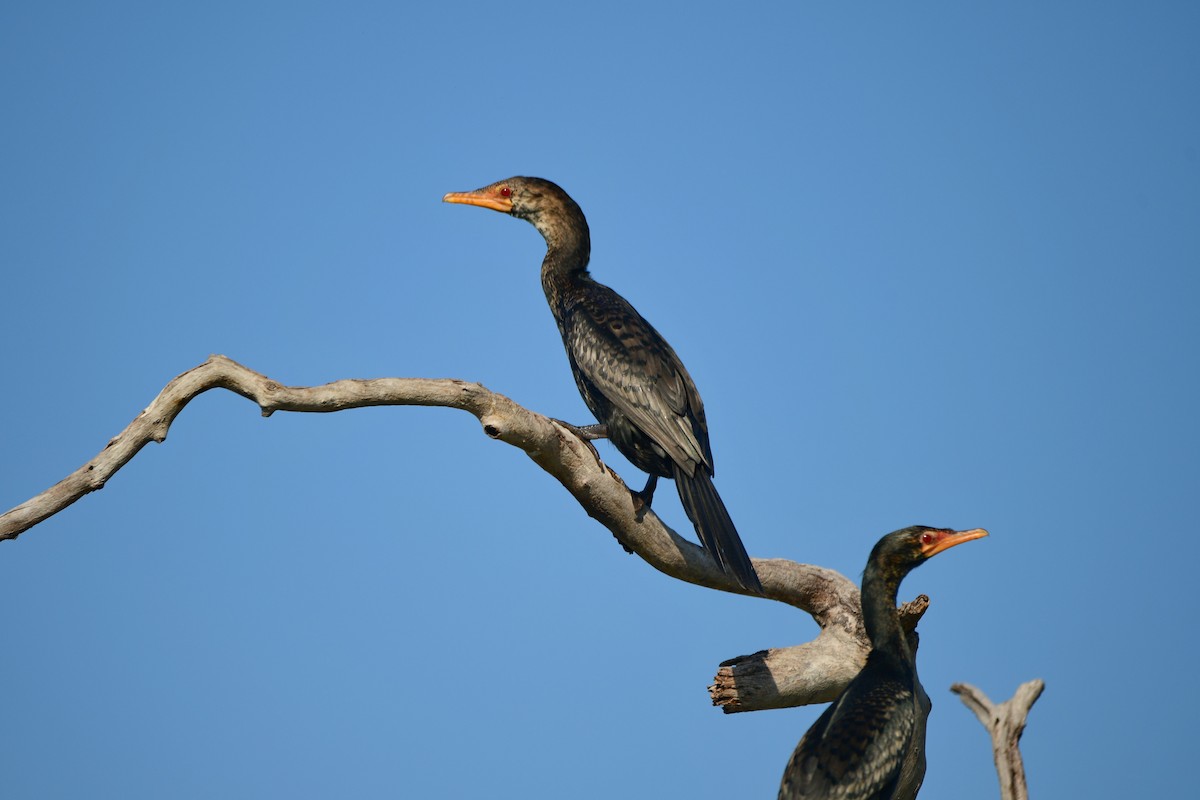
(1005, 723)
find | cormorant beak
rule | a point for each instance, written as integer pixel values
(481, 197)
(944, 540)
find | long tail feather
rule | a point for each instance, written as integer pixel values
(715, 527)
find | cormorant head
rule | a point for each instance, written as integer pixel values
(542, 203)
(901, 551)
(527, 198)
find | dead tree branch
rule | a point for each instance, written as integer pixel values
(1005, 723)
(813, 672)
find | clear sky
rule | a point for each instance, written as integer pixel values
(928, 263)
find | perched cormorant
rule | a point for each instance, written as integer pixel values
(629, 376)
(857, 749)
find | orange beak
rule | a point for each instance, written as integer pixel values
(480, 197)
(948, 539)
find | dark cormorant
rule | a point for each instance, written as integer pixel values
(629, 376)
(857, 749)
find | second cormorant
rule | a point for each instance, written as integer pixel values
(628, 375)
(869, 744)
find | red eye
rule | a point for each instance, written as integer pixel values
(505, 191)
(926, 537)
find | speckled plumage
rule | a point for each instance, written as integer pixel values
(870, 743)
(855, 749)
(626, 372)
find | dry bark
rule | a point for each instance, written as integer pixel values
(809, 673)
(1004, 723)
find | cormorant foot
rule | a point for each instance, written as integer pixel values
(587, 434)
(646, 495)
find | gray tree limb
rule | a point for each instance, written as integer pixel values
(809, 673)
(1004, 723)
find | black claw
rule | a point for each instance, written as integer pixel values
(646, 495)
(624, 546)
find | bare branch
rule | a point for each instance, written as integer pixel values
(813, 672)
(1004, 723)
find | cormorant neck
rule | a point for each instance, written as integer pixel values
(568, 249)
(568, 254)
(568, 241)
(879, 612)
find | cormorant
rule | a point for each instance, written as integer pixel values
(858, 748)
(630, 378)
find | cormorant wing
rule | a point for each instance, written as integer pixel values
(638, 373)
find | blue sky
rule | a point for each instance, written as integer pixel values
(927, 264)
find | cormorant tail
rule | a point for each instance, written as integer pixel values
(715, 527)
